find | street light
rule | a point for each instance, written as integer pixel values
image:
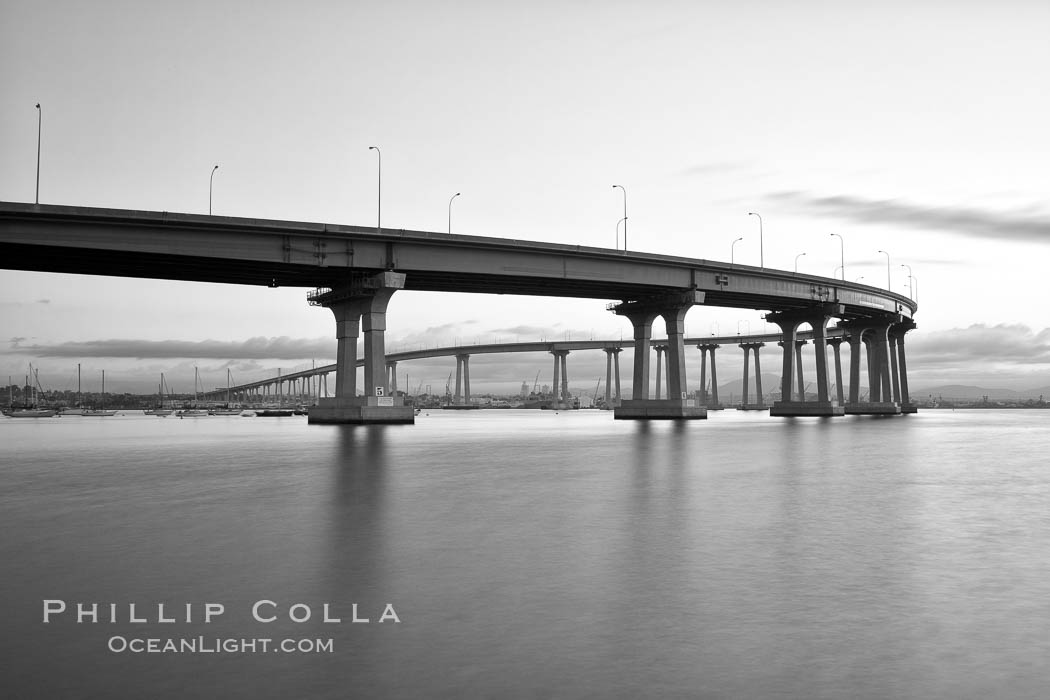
(796, 261)
(211, 179)
(842, 254)
(889, 285)
(743, 321)
(732, 251)
(860, 278)
(450, 212)
(761, 243)
(910, 292)
(379, 190)
(618, 232)
(39, 124)
(624, 215)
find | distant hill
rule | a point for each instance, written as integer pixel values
(963, 391)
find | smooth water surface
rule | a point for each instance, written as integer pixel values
(534, 554)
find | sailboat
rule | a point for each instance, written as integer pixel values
(159, 409)
(77, 410)
(193, 411)
(100, 411)
(30, 401)
(225, 410)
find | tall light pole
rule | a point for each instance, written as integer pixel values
(624, 215)
(379, 190)
(761, 241)
(39, 124)
(910, 290)
(796, 261)
(618, 232)
(889, 286)
(732, 251)
(842, 254)
(450, 212)
(211, 179)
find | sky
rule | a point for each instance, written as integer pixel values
(915, 128)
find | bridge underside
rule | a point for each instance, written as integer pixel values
(189, 268)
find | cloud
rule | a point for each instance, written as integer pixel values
(1026, 225)
(282, 348)
(977, 345)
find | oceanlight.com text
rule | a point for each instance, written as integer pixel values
(218, 645)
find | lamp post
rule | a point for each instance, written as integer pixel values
(211, 180)
(743, 321)
(732, 251)
(842, 254)
(910, 291)
(624, 215)
(618, 232)
(859, 278)
(39, 124)
(379, 190)
(916, 281)
(889, 285)
(450, 212)
(796, 261)
(761, 241)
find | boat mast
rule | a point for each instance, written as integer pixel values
(103, 390)
(79, 400)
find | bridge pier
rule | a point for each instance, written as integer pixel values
(789, 321)
(361, 306)
(641, 313)
(560, 391)
(709, 400)
(612, 355)
(759, 404)
(874, 334)
(897, 332)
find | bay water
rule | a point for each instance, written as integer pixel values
(512, 553)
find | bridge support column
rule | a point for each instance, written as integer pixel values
(642, 313)
(836, 344)
(360, 306)
(391, 377)
(709, 399)
(462, 397)
(817, 317)
(612, 356)
(874, 334)
(897, 332)
(560, 398)
(660, 349)
(759, 403)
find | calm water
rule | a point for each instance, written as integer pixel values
(534, 554)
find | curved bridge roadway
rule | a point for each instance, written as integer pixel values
(355, 270)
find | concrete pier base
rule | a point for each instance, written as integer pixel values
(806, 408)
(752, 407)
(880, 408)
(362, 410)
(909, 408)
(714, 407)
(659, 409)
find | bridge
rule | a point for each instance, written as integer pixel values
(309, 385)
(354, 271)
